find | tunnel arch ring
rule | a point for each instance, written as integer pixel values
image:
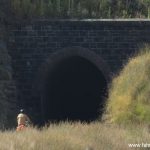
(65, 53)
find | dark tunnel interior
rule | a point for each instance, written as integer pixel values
(75, 90)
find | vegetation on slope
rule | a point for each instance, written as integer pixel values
(129, 95)
(27, 9)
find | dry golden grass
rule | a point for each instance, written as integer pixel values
(75, 136)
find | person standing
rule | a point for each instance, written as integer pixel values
(23, 120)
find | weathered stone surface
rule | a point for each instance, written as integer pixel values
(31, 44)
(7, 87)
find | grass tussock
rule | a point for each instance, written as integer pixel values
(129, 95)
(74, 136)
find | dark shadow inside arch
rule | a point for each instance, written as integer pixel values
(75, 90)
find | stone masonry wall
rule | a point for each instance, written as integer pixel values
(30, 44)
(8, 99)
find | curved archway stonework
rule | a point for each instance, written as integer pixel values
(73, 85)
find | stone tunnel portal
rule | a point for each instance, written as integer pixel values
(75, 90)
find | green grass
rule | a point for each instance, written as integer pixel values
(75, 136)
(129, 94)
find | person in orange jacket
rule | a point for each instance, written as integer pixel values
(23, 120)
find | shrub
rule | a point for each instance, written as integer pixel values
(129, 94)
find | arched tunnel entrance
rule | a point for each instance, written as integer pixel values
(75, 89)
